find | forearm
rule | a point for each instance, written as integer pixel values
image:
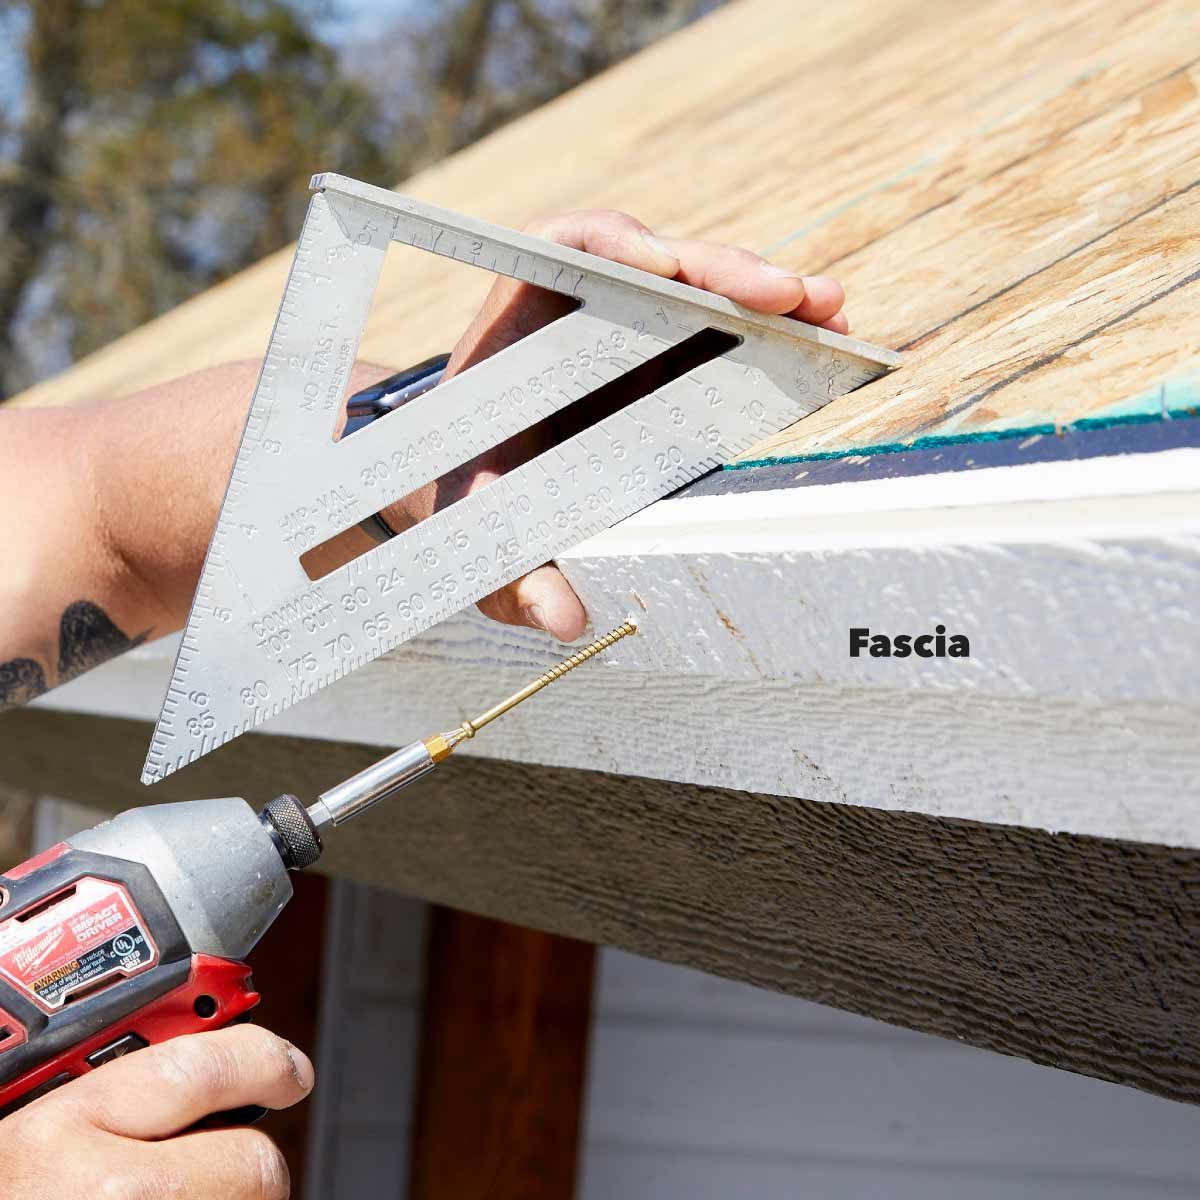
(105, 515)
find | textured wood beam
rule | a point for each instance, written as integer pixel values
(1078, 952)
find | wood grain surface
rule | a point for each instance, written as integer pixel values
(1006, 188)
(504, 1039)
(1073, 951)
(287, 971)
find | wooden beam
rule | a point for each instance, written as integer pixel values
(1075, 711)
(505, 1023)
(1078, 952)
(287, 970)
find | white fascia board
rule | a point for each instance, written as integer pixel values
(1075, 582)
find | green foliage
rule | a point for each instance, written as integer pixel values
(159, 146)
(163, 147)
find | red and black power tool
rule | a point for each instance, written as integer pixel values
(136, 931)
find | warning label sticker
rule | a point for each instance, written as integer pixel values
(87, 933)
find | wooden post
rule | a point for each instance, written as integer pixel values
(503, 1061)
(287, 971)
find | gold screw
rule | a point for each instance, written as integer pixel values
(440, 745)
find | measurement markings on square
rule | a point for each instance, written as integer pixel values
(262, 635)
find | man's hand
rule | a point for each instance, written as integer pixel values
(543, 598)
(118, 1132)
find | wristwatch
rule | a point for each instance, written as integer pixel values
(382, 398)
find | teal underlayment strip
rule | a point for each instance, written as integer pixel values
(1170, 400)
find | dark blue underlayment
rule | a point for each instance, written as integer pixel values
(1121, 433)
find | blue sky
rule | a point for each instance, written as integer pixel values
(353, 20)
(348, 21)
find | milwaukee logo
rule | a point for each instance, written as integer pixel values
(36, 954)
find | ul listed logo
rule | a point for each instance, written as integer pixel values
(125, 947)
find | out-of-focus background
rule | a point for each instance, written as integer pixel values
(150, 150)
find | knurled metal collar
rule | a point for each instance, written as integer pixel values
(300, 844)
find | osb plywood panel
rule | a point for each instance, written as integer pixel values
(1008, 191)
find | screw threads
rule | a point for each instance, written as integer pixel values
(580, 656)
(468, 729)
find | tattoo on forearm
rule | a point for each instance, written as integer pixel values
(87, 637)
(20, 680)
